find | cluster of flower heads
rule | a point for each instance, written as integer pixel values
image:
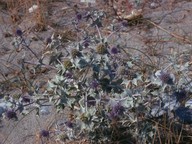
(183, 113)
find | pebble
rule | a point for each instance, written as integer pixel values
(44, 110)
(154, 5)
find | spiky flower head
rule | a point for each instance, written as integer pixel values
(69, 124)
(75, 53)
(19, 32)
(114, 50)
(101, 49)
(11, 114)
(94, 84)
(117, 110)
(69, 75)
(67, 64)
(79, 16)
(62, 137)
(131, 75)
(6, 98)
(86, 43)
(16, 96)
(125, 23)
(180, 95)
(26, 99)
(122, 70)
(44, 133)
(165, 77)
(84, 118)
(184, 114)
(48, 40)
(104, 83)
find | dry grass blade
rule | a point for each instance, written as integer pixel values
(181, 38)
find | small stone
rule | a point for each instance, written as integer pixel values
(153, 5)
(44, 110)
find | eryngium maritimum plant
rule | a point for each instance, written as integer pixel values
(108, 96)
(114, 96)
(90, 86)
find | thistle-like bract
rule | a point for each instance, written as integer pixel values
(101, 49)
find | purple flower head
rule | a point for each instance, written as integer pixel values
(19, 32)
(91, 101)
(25, 99)
(79, 16)
(165, 77)
(114, 50)
(86, 43)
(69, 75)
(184, 114)
(112, 115)
(117, 110)
(69, 124)
(11, 114)
(125, 23)
(111, 73)
(48, 40)
(180, 95)
(94, 84)
(44, 133)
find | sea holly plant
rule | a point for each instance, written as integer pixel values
(89, 82)
(110, 97)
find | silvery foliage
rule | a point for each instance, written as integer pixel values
(95, 108)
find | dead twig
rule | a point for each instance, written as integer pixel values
(182, 38)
